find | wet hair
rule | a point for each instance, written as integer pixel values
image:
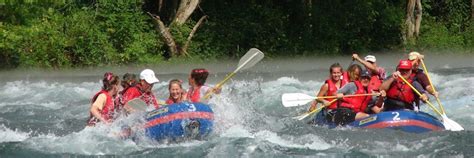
(335, 65)
(109, 81)
(200, 76)
(177, 81)
(129, 80)
(351, 71)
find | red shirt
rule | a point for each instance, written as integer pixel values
(136, 92)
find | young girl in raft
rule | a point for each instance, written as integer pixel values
(197, 79)
(102, 107)
(177, 93)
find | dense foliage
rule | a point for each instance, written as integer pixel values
(94, 33)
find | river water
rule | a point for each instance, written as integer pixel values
(43, 113)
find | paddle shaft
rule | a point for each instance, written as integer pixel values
(417, 92)
(314, 111)
(432, 86)
(219, 85)
(353, 95)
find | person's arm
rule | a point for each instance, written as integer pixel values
(420, 89)
(215, 90)
(322, 92)
(425, 83)
(184, 95)
(97, 107)
(386, 84)
(314, 105)
(349, 88)
(368, 65)
(382, 73)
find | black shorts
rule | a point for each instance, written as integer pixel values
(341, 116)
(392, 105)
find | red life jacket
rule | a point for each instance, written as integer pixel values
(374, 82)
(332, 89)
(119, 101)
(137, 92)
(345, 77)
(170, 101)
(107, 111)
(358, 104)
(400, 91)
(195, 94)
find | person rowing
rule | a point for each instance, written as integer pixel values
(330, 87)
(377, 73)
(350, 109)
(142, 90)
(400, 95)
(421, 76)
(198, 89)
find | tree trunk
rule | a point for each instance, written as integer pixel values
(186, 8)
(181, 15)
(472, 10)
(166, 34)
(410, 21)
(418, 12)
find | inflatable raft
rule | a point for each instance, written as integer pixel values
(180, 121)
(404, 120)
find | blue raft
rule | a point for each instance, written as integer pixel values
(404, 120)
(180, 121)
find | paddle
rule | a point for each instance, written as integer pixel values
(432, 86)
(303, 116)
(453, 125)
(297, 99)
(139, 105)
(252, 57)
(448, 123)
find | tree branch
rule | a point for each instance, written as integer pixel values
(191, 34)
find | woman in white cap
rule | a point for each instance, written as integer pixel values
(377, 74)
(142, 90)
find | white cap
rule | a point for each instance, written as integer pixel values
(149, 76)
(370, 58)
(414, 55)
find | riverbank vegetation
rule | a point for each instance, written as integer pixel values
(95, 33)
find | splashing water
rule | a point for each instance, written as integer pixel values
(46, 117)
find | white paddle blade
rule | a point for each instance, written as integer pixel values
(137, 104)
(252, 57)
(451, 124)
(296, 99)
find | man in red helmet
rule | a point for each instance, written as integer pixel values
(399, 94)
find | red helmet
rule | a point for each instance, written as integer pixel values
(405, 64)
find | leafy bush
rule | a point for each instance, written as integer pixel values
(78, 34)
